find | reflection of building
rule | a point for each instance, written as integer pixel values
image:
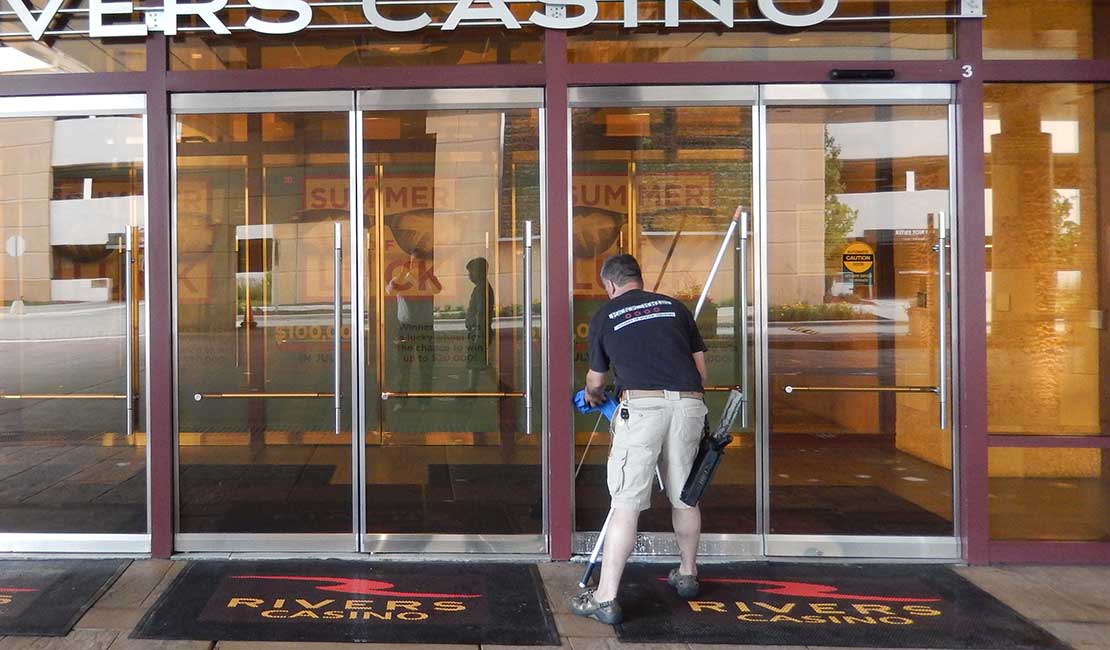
(76, 192)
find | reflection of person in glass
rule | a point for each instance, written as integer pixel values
(479, 321)
(413, 287)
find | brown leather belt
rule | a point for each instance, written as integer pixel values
(636, 394)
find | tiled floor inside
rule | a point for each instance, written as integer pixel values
(1071, 602)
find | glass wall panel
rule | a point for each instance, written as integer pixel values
(854, 292)
(447, 194)
(325, 44)
(662, 184)
(71, 299)
(258, 197)
(903, 38)
(1048, 268)
(1050, 494)
(1046, 29)
(65, 47)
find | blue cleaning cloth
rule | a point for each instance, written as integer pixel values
(608, 407)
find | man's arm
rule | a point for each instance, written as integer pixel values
(595, 387)
(699, 361)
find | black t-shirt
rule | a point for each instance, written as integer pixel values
(649, 340)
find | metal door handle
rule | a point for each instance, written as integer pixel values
(131, 236)
(860, 389)
(337, 342)
(527, 328)
(390, 394)
(249, 395)
(745, 384)
(62, 396)
(942, 320)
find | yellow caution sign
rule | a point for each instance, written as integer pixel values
(858, 257)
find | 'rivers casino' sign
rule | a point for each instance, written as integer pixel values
(118, 19)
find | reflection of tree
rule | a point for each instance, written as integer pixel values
(1068, 233)
(839, 218)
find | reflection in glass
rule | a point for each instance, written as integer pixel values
(257, 199)
(323, 45)
(65, 52)
(854, 194)
(72, 198)
(662, 184)
(865, 40)
(1055, 494)
(446, 195)
(1047, 278)
(1046, 29)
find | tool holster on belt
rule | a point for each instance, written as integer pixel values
(711, 451)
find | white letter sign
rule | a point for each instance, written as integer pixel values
(497, 10)
(301, 7)
(589, 12)
(36, 27)
(555, 15)
(772, 12)
(206, 11)
(370, 10)
(99, 8)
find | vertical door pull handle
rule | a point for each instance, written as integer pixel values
(131, 236)
(337, 338)
(942, 317)
(745, 384)
(527, 314)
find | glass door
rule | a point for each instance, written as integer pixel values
(826, 303)
(660, 172)
(264, 271)
(452, 203)
(856, 330)
(73, 454)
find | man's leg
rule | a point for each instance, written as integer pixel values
(620, 539)
(687, 528)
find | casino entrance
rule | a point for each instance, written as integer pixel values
(829, 310)
(359, 375)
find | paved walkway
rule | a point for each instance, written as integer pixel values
(1071, 602)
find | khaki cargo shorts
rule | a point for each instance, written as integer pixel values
(663, 431)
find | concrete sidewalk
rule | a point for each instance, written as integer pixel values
(1071, 602)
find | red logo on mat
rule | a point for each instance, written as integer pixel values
(11, 590)
(812, 590)
(358, 586)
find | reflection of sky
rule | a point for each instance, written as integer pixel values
(892, 139)
(895, 210)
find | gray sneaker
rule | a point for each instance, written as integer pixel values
(584, 604)
(687, 586)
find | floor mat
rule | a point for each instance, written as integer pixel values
(47, 597)
(873, 606)
(367, 602)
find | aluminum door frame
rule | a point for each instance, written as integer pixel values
(256, 102)
(860, 546)
(101, 543)
(733, 545)
(378, 101)
(763, 545)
